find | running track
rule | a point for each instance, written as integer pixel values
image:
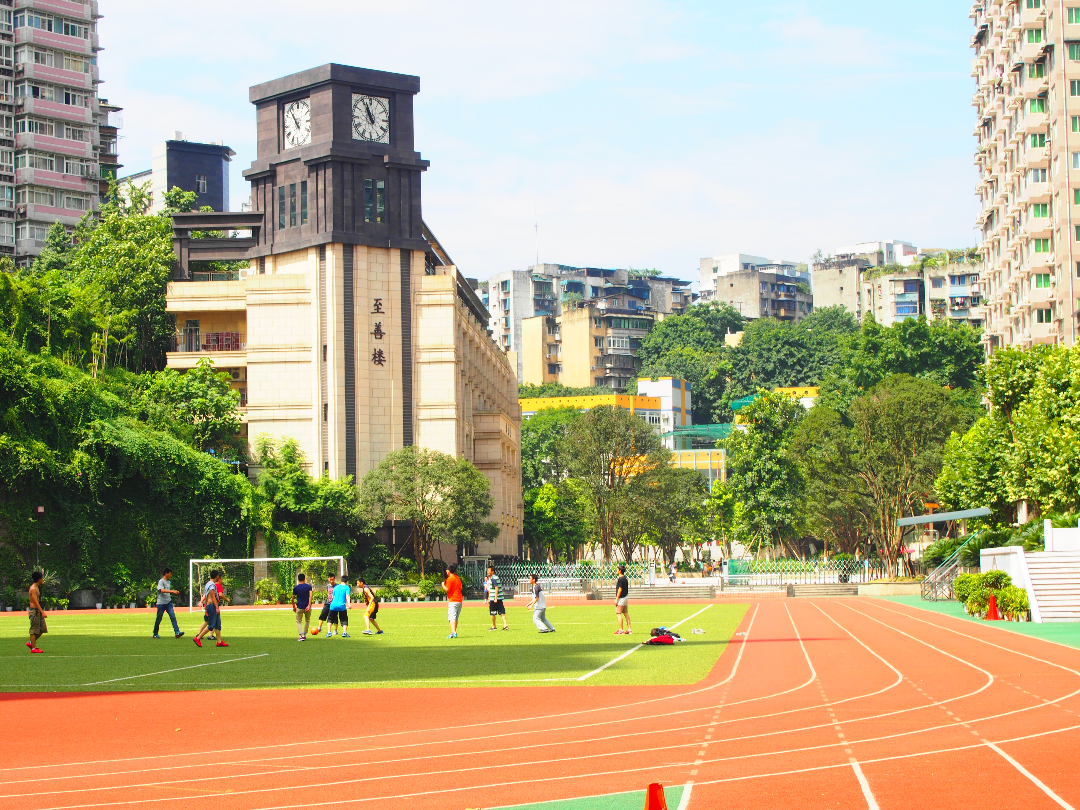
(822, 703)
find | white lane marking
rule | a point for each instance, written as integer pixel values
(635, 648)
(668, 713)
(178, 669)
(868, 794)
(1038, 782)
(685, 800)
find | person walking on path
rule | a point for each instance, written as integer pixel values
(538, 605)
(324, 614)
(212, 619)
(493, 587)
(622, 602)
(37, 613)
(372, 609)
(454, 598)
(673, 572)
(165, 605)
(301, 605)
(339, 607)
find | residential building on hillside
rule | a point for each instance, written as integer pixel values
(55, 133)
(591, 344)
(1027, 73)
(351, 331)
(892, 251)
(711, 268)
(202, 168)
(550, 289)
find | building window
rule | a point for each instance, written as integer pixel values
(200, 183)
(1076, 123)
(911, 286)
(374, 200)
(1038, 105)
(1034, 36)
(1036, 70)
(1074, 16)
(1074, 50)
(598, 342)
(1038, 140)
(618, 342)
(1043, 245)
(1044, 316)
(1034, 3)
(292, 205)
(1040, 210)
(936, 283)
(907, 309)
(76, 202)
(1038, 175)
(1042, 281)
(303, 203)
(281, 208)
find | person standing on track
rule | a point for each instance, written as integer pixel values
(37, 613)
(372, 609)
(164, 603)
(301, 605)
(324, 614)
(339, 607)
(493, 587)
(454, 598)
(213, 615)
(538, 605)
(622, 602)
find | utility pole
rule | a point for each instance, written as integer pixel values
(37, 538)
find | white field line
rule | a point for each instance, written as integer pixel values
(178, 669)
(450, 787)
(1038, 782)
(635, 648)
(684, 801)
(868, 794)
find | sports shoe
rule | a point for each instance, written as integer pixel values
(452, 635)
(345, 635)
(35, 650)
(493, 628)
(28, 644)
(198, 641)
(156, 635)
(619, 633)
(300, 638)
(379, 633)
(221, 644)
(367, 632)
(506, 627)
(180, 634)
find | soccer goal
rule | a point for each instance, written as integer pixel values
(261, 580)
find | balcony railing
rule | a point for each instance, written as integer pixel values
(233, 275)
(193, 340)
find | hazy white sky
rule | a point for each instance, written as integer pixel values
(636, 133)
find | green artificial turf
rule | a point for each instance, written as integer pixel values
(94, 651)
(1060, 632)
(633, 800)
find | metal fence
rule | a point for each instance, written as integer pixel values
(757, 573)
(592, 574)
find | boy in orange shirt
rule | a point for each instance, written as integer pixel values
(455, 600)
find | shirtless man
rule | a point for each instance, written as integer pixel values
(37, 614)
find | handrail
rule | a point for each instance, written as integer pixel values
(936, 587)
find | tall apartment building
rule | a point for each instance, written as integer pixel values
(588, 345)
(1027, 101)
(202, 168)
(550, 289)
(55, 125)
(757, 287)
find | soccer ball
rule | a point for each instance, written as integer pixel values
(315, 632)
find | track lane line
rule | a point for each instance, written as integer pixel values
(635, 648)
(1037, 782)
(178, 669)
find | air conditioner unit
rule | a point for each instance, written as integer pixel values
(238, 374)
(20, 210)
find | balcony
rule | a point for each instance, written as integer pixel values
(188, 346)
(907, 298)
(55, 75)
(72, 9)
(48, 39)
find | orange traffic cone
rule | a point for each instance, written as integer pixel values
(992, 613)
(654, 797)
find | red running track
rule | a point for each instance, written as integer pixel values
(822, 703)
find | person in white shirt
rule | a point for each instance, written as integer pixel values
(539, 606)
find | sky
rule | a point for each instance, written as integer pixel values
(609, 133)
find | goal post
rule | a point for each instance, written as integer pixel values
(260, 580)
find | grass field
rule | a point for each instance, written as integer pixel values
(95, 651)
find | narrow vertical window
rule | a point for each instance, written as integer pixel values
(303, 203)
(369, 200)
(380, 200)
(281, 207)
(292, 205)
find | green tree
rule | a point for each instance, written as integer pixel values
(763, 478)
(555, 524)
(202, 404)
(444, 498)
(541, 433)
(554, 389)
(975, 469)
(719, 517)
(677, 501)
(604, 450)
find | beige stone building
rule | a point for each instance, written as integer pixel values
(351, 331)
(1027, 71)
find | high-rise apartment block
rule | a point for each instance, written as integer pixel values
(1027, 102)
(757, 287)
(57, 145)
(548, 290)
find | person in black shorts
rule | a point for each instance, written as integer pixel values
(371, 611)
(325, 614)
(493, 587)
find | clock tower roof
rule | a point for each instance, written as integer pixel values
(326, 74)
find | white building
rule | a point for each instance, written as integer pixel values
(711, 267)
(891, 251)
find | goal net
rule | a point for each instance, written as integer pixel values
(262, 580)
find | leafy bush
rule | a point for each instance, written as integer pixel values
(996, 580)
(430, 586)
(962, 586)
(390, 590)
(54, 603)
(1013, 601)
(268, 591)
(940, 550)
(978, 599)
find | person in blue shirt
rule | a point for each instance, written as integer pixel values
(339, 607)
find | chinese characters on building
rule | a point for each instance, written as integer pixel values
(378, 356)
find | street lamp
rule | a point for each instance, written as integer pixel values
(37, 534)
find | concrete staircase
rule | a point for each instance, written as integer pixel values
(837, 589)
(659, 592)
(1055, 578)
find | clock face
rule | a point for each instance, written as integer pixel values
(297, 123)
(370, 119)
